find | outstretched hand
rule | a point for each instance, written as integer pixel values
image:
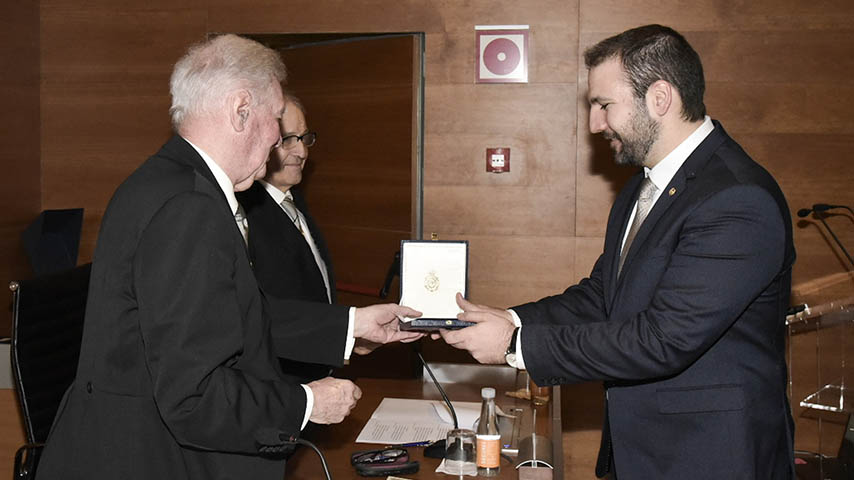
(379, 324)
(488, 339)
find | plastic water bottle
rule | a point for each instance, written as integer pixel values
(488, 437)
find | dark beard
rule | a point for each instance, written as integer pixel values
(642, 134)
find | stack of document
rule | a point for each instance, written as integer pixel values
(399, 420)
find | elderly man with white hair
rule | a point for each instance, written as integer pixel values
(178, 377)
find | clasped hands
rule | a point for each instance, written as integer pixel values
(373, 326)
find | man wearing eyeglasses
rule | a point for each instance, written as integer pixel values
(290, 257)
(177, 377)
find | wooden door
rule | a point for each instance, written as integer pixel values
(359, 96)
(361, 180)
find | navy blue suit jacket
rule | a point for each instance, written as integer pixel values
(690, 338)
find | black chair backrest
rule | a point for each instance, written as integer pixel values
(47, 327)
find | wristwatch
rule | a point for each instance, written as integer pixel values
(510, 353)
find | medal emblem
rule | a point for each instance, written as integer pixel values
(431, 281)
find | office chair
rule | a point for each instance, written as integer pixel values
(47, 327)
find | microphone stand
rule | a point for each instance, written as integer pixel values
(820, 215)
(810, 465)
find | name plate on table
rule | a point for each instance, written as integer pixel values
(431, 274)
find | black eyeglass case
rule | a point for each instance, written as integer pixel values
(401, 466)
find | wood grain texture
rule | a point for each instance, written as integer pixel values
(614, 16)
(105, 95)
(20, 184)
(778, 79)
(532, 120)
(358, 176)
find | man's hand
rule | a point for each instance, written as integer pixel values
(469, 307)
(488, 339)
(333, 399)
(379, 324)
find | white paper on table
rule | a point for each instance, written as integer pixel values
(431, 274)
(399, 420)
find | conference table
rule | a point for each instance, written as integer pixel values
(462, 382)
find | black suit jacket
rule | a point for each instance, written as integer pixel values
(690, 338)
(177, 376)
(286, 270)
(284, 264)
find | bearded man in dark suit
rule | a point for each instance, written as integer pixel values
(683, 315)
(178, 375)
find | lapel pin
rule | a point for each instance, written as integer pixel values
(672, 191)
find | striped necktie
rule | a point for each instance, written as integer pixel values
(292, 211)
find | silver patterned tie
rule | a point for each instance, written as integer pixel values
(647, 193)
(292, 211)
(242, 223)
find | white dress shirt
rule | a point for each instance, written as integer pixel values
(278, 196)
(228, 189)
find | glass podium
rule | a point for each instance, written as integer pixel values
(821, 382)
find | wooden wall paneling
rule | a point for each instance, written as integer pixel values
(536, 196)
(19, 119)
(311, 16)
(19, 141)
(581, 413)
(811, 168)
(535, 121)
(357, 179)
(105, 95)
(498, 263)
(614, 16)
(361, 166)
(587, 251)
(374, 252)
(552, 39)
(20, 183)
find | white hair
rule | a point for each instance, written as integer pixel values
(203, 78)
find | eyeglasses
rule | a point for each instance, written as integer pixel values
(290, 141)
(386, 455)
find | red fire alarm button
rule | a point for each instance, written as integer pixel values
(498, 160)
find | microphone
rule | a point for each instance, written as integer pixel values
(820, 208)
(437, 448)
(823, 207)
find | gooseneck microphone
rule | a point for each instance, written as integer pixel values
(437, 448)
(819, 209)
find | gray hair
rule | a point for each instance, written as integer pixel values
(292, 99)
(210, 70)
